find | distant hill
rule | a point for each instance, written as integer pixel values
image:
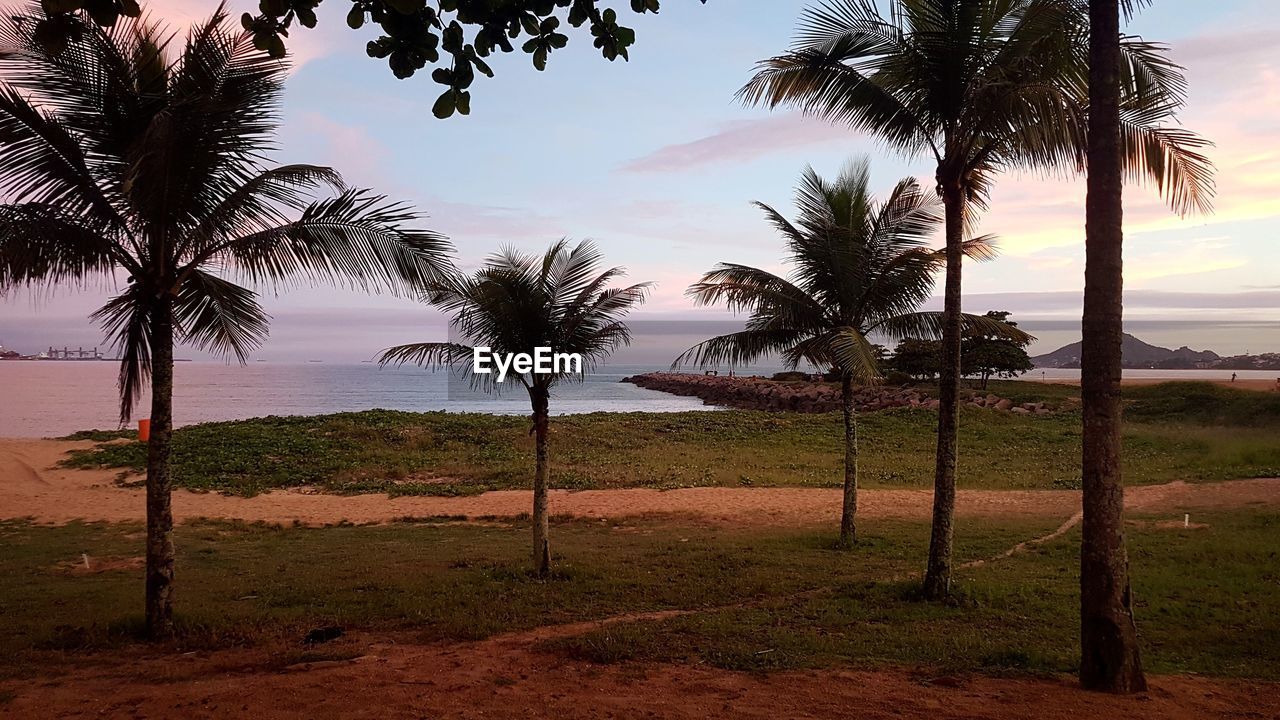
(1135, 353)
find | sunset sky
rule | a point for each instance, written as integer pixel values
(656, 161)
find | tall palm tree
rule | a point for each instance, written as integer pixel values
(516, 304)
(1109, 657)
(979, 86)
(124, 153)
(860, 268)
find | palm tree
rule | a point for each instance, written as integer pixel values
(861, 268)
(1109, 657)
(979, 86)
(125, 153)
(516, 304)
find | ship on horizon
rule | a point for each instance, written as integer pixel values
(53, 353)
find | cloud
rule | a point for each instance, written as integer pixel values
(741, 141)
(1234, 101)
(355, 153)
(304, 44)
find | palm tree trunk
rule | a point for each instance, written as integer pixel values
(848, 514)
(541, 478)
(160, 552)
(1109, 657)
(937, 579)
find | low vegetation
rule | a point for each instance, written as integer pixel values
(1203, 403)
(765, 598)
(1178, 431)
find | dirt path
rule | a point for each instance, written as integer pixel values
(31, 486)
(388, 677)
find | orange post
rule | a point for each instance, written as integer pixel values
(144, 430)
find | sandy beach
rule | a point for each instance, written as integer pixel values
(32, 486)
(1239, 384)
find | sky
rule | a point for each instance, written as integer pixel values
(655, 161)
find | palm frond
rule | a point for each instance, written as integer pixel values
(126, 320)
(738, 349)
(44, 164)
(217, 315)
(257, 205)
(1171, 159)
(854, 355)
(929, 325)
(356, 237)
(43, 244)
(435, 355)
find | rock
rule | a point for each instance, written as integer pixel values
(1020, 411)
(1004, 404)
(323, 635)
(753, 393)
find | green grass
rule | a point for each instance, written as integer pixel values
(1168, 438)
(1203, 403)
(1206, 603)
(1206, 599)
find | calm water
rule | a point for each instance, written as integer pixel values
(40, 399)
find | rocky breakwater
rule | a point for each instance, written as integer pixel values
(757, 393)
(991, 401)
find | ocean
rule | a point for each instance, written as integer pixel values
(45, 398)
(52, 398)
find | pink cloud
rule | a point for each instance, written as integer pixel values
(741, 141)
(1234, 102)
(304, 44)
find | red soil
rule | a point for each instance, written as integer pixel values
(389, 677)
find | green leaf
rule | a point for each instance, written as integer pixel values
(406, 7)
(103, 12)
(355, 18)
(274, 8)
(445, 105)
(540, 58)
(55, 7)
(275, 47)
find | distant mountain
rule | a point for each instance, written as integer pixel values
(1135, 353)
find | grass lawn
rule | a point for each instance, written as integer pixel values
(1176, 431)
(1207, 598)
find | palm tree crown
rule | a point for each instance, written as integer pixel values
(860, 268)
(128, 151)
(517, 303)
(983, 86)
